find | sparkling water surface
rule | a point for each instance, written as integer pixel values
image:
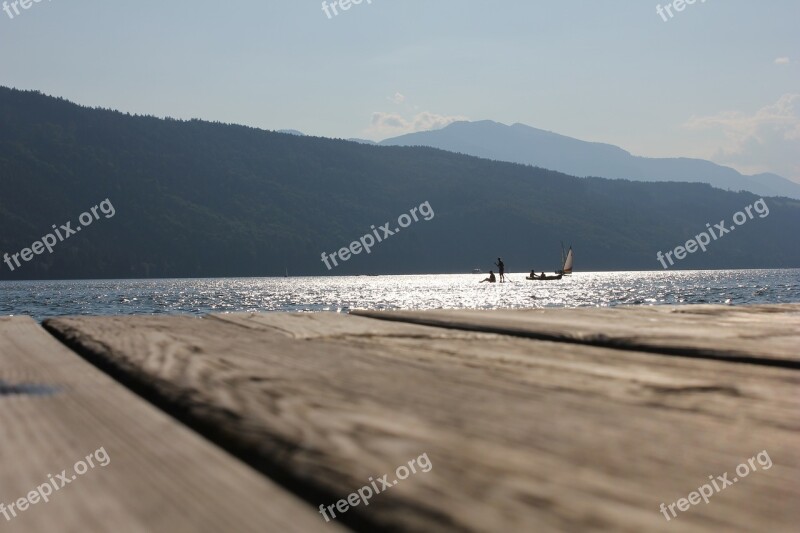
(43, 299)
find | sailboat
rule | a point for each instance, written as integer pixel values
(567, 261)
(566, 268)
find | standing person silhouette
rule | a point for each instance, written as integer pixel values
(502, 269)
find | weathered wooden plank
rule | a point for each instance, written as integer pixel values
(522, 435)
(159, 476)
(759, 334)
(314, 325)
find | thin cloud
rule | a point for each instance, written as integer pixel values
(765, 141)
(397, 99)
(782, 61)
(384, 125)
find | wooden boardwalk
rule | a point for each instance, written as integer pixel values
(536, 420)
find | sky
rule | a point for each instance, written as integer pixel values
(718, 80)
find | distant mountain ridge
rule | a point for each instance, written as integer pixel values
(201, 199)
(519, 143)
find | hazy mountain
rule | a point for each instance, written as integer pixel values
(201, 199)
(292, 132)
(523, 144)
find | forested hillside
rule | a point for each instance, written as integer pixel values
(197, 199)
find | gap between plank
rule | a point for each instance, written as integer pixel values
(597, 340)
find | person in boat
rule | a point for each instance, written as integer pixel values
(542, 276)
(533, 274)
(502, 269)
(490, 279)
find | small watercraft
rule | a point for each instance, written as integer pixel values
(566, 268)
(534, 277)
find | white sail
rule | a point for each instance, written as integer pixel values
(568, 262)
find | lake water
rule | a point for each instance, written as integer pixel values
(42, 299)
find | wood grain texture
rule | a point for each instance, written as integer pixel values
(55, 409)
(523, 435)
(759, 334)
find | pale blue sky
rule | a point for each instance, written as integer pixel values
(709, 82)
